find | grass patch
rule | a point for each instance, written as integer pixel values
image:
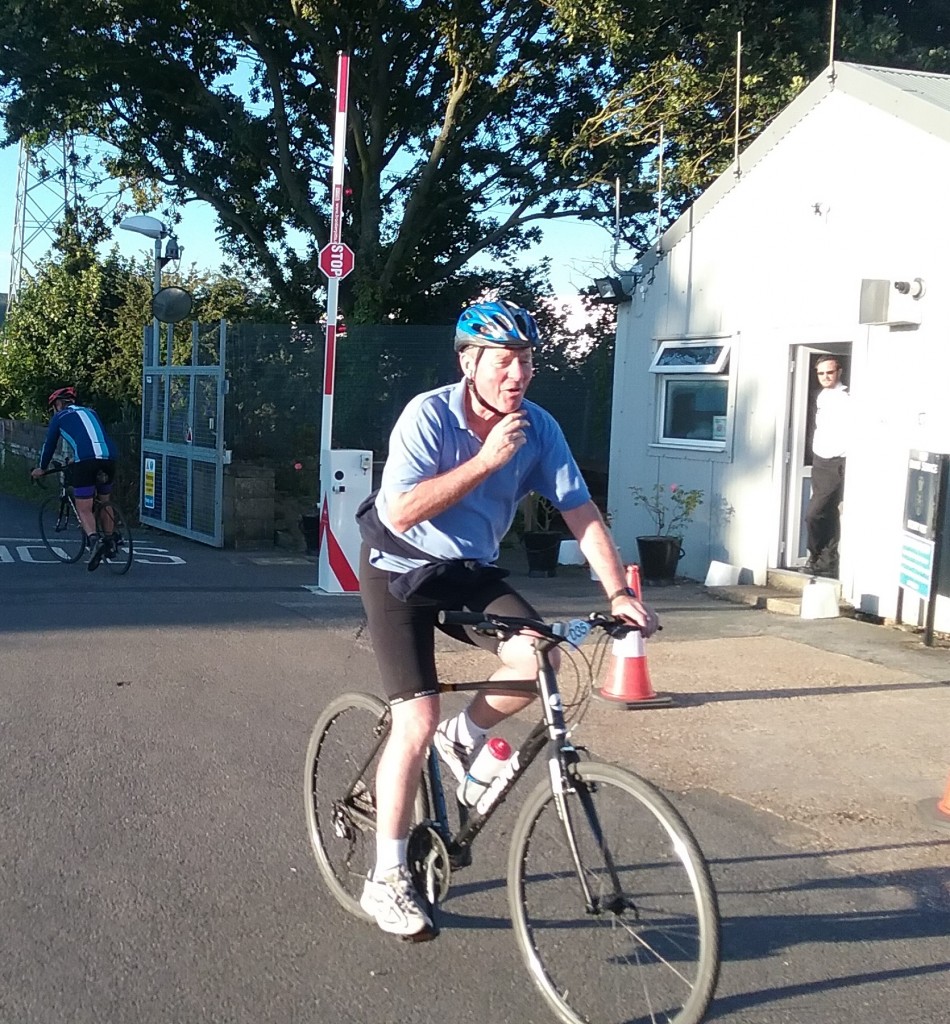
(15, 478)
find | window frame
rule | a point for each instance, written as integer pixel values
(720, 369)
(671, 344)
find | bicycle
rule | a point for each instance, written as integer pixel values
(64, 536)
(612, 904)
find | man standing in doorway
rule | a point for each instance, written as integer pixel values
(829, 447)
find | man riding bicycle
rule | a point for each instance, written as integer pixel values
(461, 457)
(92, 466)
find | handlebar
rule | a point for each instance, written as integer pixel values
(53, 467)
(506, 626)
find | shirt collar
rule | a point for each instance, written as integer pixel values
(457, 404)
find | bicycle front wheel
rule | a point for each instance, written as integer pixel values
(646, 949)
(112, 524)
(339, 787)
(61, 530)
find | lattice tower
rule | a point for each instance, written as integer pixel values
(48, 184)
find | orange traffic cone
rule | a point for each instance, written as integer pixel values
(628, 683)
(936, 811)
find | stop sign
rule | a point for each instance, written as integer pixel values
(336, 259)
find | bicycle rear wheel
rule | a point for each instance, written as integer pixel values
(647, 950)
(61, 530)
(120, 561)
(339, 787)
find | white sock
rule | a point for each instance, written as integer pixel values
(390, 854)
(465, 731)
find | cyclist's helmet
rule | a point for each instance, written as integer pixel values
(500, 324)
(67, 395)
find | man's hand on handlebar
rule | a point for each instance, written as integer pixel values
(633, 610)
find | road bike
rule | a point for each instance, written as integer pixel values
(612, 904)
(63, 534)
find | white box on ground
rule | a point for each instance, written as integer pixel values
(570, 553)
(820, 600)
(722, 574)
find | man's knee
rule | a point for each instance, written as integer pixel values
(414, 722)
(519, 654)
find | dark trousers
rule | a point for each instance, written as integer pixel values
(821, 517)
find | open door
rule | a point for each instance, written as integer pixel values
(798, 455)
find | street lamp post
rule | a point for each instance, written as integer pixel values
(153, 228)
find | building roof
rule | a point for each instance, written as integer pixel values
(920, 98)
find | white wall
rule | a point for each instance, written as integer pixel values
(767, 266)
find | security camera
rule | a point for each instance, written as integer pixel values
(172, 249)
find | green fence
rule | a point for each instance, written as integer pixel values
(274, 404)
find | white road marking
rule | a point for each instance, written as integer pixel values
(32, 551)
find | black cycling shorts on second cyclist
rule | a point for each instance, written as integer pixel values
(90, 476)
(403, 632)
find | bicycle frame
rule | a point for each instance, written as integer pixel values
(552, 732)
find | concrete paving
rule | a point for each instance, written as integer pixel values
(837, 728)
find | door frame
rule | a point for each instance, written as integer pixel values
(799, 430)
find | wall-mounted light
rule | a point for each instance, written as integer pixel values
(611, 290)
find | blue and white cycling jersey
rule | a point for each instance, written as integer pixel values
(83, 433)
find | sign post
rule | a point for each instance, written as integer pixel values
(345, 476)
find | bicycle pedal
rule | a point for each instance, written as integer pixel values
(462, 859)
(426, 935)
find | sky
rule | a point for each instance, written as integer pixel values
(579, 252)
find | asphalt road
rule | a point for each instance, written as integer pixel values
(154, 864)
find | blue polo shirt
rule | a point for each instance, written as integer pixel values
(431, 437)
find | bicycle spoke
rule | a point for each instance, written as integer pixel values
(646, 949)
(61, 530)
(339, 780)
(112, 523)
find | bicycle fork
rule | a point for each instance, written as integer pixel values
(562, 761)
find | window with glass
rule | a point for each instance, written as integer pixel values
(693, 393)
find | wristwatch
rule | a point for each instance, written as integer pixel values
(622, 592)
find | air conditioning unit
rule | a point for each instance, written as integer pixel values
(893, 303)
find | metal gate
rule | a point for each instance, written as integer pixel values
(183, 453)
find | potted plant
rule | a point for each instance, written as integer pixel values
(672, 509)
(542, 542)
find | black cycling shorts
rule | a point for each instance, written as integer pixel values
(403, 632)
(85, 479)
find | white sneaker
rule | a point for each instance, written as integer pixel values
(456, 755)
(392, 901)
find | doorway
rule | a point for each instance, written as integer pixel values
(800, 431)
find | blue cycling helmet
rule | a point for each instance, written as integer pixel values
(500, 324)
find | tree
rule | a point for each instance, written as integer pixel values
(690, 91)
(471, 122)
(81, 321)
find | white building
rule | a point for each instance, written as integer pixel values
(792, 253)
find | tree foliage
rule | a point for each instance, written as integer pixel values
(471, 122)
(81, 321)
(690, 89)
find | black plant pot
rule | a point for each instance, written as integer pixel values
(659, 557)
(542, 550)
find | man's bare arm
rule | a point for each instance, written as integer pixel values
(429, 498)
